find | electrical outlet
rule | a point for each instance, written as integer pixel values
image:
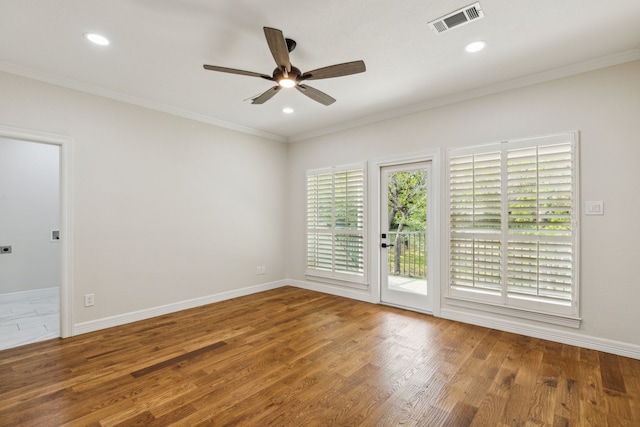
(261, 269)
(89, 300)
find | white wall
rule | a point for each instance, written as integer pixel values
(29, 194)
(603, 105)
(164, 209)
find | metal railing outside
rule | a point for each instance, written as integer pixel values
(408, 256)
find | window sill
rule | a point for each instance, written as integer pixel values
(555, 319)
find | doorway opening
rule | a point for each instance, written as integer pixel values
(35, 296)
(29, 253)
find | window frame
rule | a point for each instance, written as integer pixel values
(503, 301)
(356, 280)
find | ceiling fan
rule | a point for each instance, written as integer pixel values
(287, 76)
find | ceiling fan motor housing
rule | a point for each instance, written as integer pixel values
(294, 74)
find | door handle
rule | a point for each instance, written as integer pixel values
(385, 245)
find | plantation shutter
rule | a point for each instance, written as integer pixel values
(513, 223)
(475, 206)
(319, 220)
(336, 223)
(540, 199)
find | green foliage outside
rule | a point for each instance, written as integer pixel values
(407, 213)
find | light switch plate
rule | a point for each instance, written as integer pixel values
(595, 207)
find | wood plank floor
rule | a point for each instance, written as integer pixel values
(291, 357)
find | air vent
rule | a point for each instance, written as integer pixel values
(457, 18)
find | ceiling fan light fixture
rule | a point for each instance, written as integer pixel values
(286, 75)
(476, 46)
(98, 39)
(287, 83)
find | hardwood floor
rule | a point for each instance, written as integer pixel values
(291, 357)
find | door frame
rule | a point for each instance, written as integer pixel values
(66, 241)
(388, 296)
(433, 226)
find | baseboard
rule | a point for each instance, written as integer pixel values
(535, 331)
(360, 295)
(564, 337)
(121, 319)
(33, 294)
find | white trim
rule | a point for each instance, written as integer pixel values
(422, 156)
(122, 319)
(338, 168)
(513, 311)
(402, 307)
(435, 261)
(339, 277)
(130, 99)
(66, 228)
(29, 295)
(564, 337)
(498, 301)
(326, 288)
(388, 296)
(311, 277)
(535, 331)
(545, 76)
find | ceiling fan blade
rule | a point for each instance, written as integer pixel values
(315, 94)
(278, 46)
(265, 96)
(234, 71)
(337, 70)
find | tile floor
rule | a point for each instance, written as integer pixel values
(31, 318)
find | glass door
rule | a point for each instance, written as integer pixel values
(404, 257)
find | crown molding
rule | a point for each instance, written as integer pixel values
(545, 76)
(130, 99)
(530, 80)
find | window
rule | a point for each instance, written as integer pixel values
(336, 216)
(513, 224)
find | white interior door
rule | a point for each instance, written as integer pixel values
(405, 206)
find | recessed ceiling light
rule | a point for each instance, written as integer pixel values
(287, 110)
(97, 39)
(475, 46)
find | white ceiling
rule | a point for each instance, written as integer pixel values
(158, 48)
